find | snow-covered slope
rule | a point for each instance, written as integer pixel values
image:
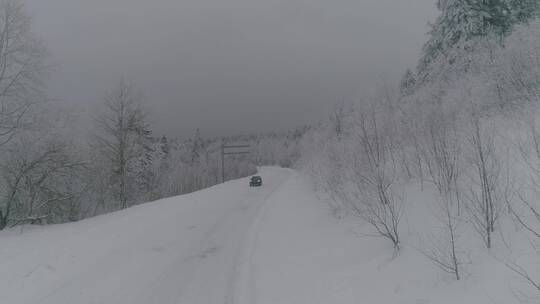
(304, 255)
(312, 257)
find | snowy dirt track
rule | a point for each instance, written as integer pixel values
(189, 249)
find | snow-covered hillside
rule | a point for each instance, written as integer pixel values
(304, 255)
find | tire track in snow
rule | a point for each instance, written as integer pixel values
(244, 290)
(215, 274)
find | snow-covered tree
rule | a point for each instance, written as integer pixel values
(197, 147)
(456, 23)
(122, 140)
(522, 11)
(461, 21)
(144, 146)
(407, 83)
(37, 176)
(21, 68)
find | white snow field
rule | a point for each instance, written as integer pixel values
(231, 244)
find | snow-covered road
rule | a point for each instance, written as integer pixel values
(190, 249)
(232, 244)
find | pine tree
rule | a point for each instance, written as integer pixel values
(406, 86)
(461, 21)
(144, 150)
(521, 11)
(494, 16)
(455, 23)
(197, 147)
(165, 148)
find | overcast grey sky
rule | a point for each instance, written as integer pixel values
(229, 66)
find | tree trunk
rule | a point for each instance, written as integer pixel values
(3, 221)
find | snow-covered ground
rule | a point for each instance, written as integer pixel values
(185, 249)
(305, 256)
(236, 245)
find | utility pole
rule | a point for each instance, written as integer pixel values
(231, 150)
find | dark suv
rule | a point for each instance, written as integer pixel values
(256, 181)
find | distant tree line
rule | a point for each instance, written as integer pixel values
(49, 175)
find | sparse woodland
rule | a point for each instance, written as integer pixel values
(49, 176)
(455, 145)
